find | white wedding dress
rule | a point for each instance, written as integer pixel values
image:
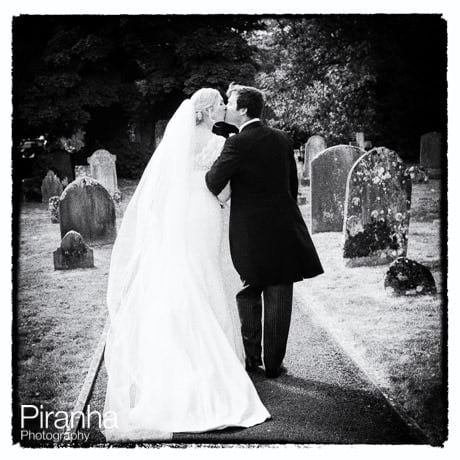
(174, 354)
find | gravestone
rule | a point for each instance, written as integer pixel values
(87, 208)
(377, 209)
(61, 162)
(73, 253)
(431, 153)
(51, 186)
(53, 208)
(360, 142)
(82, 170)
(408, 277)
(328, 183)
(102, 168)
(160, 127)
(313, 147)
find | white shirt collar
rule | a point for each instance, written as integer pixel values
(252, 120)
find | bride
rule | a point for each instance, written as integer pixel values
(174, 354)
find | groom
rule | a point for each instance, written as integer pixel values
(269, 241)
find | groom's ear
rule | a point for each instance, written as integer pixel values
(243, 111)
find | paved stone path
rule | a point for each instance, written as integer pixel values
(324, 397)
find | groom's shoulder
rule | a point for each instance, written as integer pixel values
(281, 134)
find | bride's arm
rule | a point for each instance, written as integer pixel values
(225, 194)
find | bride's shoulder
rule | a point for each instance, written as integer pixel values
(207, 154)
(218, 141)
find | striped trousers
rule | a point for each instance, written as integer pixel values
(277, 308)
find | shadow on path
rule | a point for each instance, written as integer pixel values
(323, 399)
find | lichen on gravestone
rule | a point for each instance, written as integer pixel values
(377, 210)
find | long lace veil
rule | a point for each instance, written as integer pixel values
(153, 226)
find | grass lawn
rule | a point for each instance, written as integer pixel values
(61, 314)
(397, 340)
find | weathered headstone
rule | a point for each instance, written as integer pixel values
(328, 183)
(360, 140)
(377, 209)
(102, 168)
(51, 186)
(87, 208)
(73, 253)
(431, 153)
(408, 277)
(160, 128)
(82, 170)
(53, 208)
(313, 147)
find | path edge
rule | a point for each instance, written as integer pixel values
(324, 322)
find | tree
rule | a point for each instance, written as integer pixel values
(110, 76)
(337, 75)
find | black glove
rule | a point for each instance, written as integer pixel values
(224, 129)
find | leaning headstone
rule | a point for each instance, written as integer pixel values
(73, 253)
(102, 168)
(87, 208)
(160, 128)
(53, 208)
(408, 277)
(313, 147)
(82, 170)
(328, 183)
(377, 209)
(51, 186)
(431, 153)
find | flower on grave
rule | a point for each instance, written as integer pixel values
(374, 214)
(376, 180)
(398, 216)
(355, 201)
(380, 171)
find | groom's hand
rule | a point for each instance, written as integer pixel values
(221, 128)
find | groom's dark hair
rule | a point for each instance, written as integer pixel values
(249, 98)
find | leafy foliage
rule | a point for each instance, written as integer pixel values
(337, 75)
(105, 74)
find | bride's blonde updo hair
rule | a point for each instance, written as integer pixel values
(204, 99)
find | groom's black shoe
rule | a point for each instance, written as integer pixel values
(252, 364)
(273, 374)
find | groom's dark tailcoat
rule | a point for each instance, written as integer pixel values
(269, 241)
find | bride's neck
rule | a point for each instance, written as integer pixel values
(204, 128)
